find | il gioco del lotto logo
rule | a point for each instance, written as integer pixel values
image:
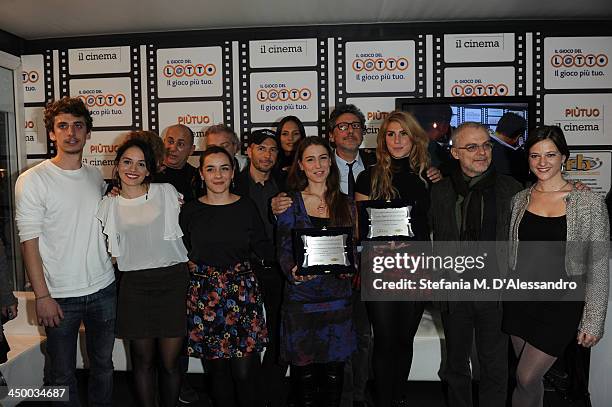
(30, 77)
(103, 100)
(377, 63)
(180, 70)
(472, 88)
(566, 60)
(283, 95)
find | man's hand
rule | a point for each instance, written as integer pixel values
(9, 311)
(434, 174)
(280, 203)
(48, 312)
(114, 192)
(581, 187)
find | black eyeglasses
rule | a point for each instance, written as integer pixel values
(472, 148)
(344, 126)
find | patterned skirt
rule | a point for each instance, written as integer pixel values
(225, 316)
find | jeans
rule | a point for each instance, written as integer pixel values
(97, 312)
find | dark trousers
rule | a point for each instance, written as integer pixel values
(461, 320)
(97, 311)
(271, 283)
(356, 369)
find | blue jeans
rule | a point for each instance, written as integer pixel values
(97, 311)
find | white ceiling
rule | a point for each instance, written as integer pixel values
(38, 19)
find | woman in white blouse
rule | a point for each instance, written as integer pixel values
(141, 225)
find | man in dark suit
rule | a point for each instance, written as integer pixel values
(473, 204)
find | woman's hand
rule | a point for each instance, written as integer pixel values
(192, 266)
(587, 340)
(299, 278)
(9, 311)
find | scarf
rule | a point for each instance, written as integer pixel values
(470, 202)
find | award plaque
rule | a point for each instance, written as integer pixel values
(386, 220)
(323, 251)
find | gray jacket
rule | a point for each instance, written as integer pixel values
(586, 249)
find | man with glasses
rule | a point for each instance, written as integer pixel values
(473, 204)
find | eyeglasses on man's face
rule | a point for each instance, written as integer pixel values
(344, 126)
(472, 148)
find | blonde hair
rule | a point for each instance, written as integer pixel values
(382, 174)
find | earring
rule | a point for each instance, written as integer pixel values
(562, 167)
(202, 184)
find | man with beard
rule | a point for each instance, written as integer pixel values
(256, 182)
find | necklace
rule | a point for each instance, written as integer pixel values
(322, 207)
(556, 190)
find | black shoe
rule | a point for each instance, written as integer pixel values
(188, 394)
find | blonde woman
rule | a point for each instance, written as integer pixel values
(401, 172)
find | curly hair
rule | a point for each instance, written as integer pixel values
(74, 106)
(153, 140)
(382, 174)
(134, 140)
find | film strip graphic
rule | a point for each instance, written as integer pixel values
(271, 90)
(464, 72)
(190, 86)
(538, 75)
(108, 81)
(374, 66)
(37, 82)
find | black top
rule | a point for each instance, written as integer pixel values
(509, 161)
(184, 180)
(223, 235)
(319, 223)
(410, 187)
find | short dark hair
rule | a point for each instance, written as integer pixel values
(215, 150)
(147, 151)
(220, 128)
(74, 106)
(552, 133)
(342, 109)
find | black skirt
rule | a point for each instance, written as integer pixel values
(153, 303)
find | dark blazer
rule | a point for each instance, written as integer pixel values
(443, 220)
(368, 157)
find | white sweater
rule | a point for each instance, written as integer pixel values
(59, 207)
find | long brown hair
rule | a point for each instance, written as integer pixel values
(339, 209)
(382, 174)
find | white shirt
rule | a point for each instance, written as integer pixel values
(344, 170)
(59, 207)
(144, 232)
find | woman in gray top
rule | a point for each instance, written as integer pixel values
(574, 226)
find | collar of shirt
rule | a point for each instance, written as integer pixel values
(503, 143)
(343, 167)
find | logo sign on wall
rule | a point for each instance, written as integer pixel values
(592, 168)
(101, 149)
(380, 66)
(583, 118)
(35, 132)
(278, 94)
(33, 79)
(488, 81)
(108, 99)
(283, 53)
(98, 60)
(479, 47)
(195, 115)
(577, 62)
(189, 72)
(375, 111)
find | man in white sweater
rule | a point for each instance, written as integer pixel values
(65, 255)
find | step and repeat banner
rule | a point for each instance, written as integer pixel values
(251, 81)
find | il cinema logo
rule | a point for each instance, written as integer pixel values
(102, 100)
(579, 60)
(29, 77)
(189, 70)
(479, 89)
(380, 64)
(284, 95)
